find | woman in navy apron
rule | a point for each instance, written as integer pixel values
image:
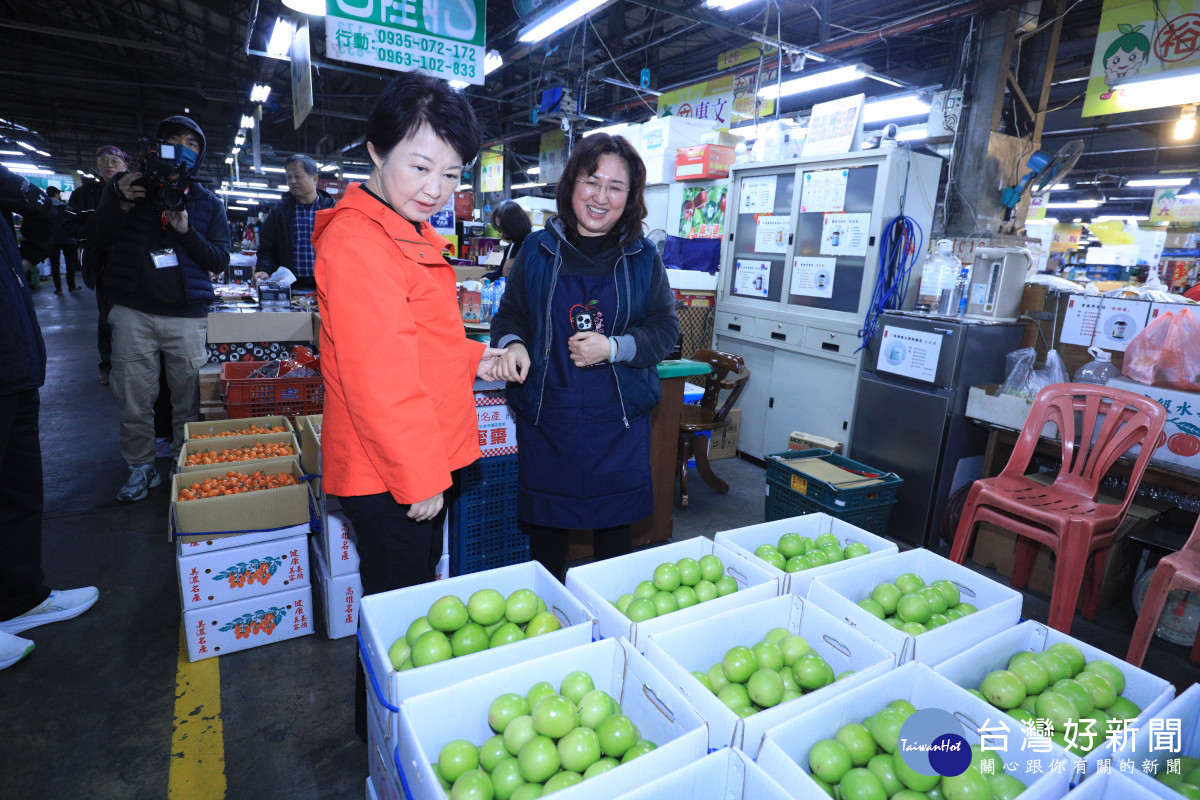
(586, 316)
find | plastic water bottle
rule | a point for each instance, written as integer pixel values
(962, 288)
(937, 278)
(1098, 370)
(487, 296)
(498, 292)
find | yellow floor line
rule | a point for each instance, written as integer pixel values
(198, 742)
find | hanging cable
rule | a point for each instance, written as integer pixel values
(901, 244)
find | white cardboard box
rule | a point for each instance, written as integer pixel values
(385, 617)
(1113, 786)
(370, 791)
(239, 625)
(787, 745)
(186, 548)
(1174, 401)
(660, 712)
(338, 543)
(812, 525)
(218, 576)
(967, 669)
(381, 761)
(337, 597)
(1142, 745)
(727, 774)
(696, 647)
(599, 585)
(999, 606)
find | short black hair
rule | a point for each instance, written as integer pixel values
(582, 163)
(53, 191)
(412, 100)
(310, 166)
(512, 222)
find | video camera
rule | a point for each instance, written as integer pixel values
(158, 161)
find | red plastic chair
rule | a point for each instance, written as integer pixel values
(1177, 571)
(1096, 424)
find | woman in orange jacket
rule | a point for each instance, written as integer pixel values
(398, 368)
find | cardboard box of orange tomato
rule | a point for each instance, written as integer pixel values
(212, 429)
(1179, 442)
(703, 161)
(251, 622)
(200, 447)
(283, 511)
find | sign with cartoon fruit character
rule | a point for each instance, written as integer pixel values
(1143, 38)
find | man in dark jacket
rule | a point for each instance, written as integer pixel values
(62, 243)
(287, 234)
(25, 600)
(80, 225)
(159, 277)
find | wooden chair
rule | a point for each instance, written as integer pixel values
(1096, 424)
(1174, 572)
(729, 372)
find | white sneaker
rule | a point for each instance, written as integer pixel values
(60, 605)
(13, 649)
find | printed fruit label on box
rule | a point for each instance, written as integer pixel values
(799, 484)
(497, 429)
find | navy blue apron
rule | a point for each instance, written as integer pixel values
(580, 467)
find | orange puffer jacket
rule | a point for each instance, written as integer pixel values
(398, 368)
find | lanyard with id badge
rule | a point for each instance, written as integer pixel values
(164, 258)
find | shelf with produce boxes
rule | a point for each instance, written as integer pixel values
(386, 618)
(1163, 756)
(337, 596)
(899, 713)
(727, 774)
(1147, 693)
(705, 647)
(986, 607)
(601, 585)
(658, 712)
(802, 535)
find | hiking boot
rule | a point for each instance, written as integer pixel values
(142, 479)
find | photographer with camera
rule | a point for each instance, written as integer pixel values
(166, 236)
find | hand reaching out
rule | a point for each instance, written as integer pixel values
(487, 364)
(512, 364)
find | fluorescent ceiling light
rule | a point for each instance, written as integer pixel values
(1158, 182)
(42, 153)
(273, 169)
(355, 176)
(1168, 88)
(530, 185)
(464, 187)
(252, 184)
(236, 150)
(328, 168)
(492, 61)
(534, 171)
(252, 195)
(912, 135)
(247, 121)
(1122, 218)
(259, 93)
(228, 159)
(27, 169)
(725, 5)
(281, 38)
(1074, 204)
(282, 188)
(314, 8)
(1060, 187)
(895, 108)
(240, 139)
(28, 147)
(458, 86)
(558, 18)
(12, 153)
(818, 80)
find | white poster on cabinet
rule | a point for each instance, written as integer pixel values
(845, 234)
(771, 234)
(757, 195)
(824, 190)
(908, 352)
(813, 277)
(752, 278)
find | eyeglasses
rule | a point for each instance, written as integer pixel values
(111, 161)
(592, 188)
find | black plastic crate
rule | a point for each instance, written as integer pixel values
(818, 491)
(783, 502)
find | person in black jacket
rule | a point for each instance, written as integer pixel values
(62, 243)
(110, 161)
(286, 237)
(25, 600)
(161, 263)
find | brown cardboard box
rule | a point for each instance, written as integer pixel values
(309, 430)
(260, 326)
(211, 412)
(191, 446)
(808, 441)
(212, 517)
(210, 383)
(723, 441)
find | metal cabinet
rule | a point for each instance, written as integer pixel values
(799, 264)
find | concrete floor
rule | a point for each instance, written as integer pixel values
(92, 711)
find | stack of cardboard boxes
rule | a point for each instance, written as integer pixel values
(242, 559)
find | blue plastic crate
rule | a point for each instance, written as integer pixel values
(484, 533)
(498, 543)
(782, 503)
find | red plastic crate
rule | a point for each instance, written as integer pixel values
(256, 397)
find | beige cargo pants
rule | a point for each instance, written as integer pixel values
(139, 340)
